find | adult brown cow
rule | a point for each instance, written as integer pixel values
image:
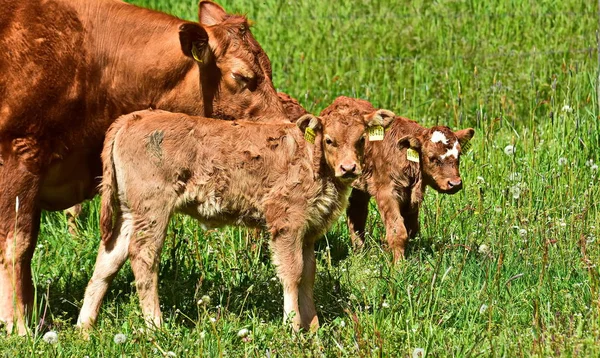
(68, 69)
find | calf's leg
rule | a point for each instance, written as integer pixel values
(357, 213)
(19, 228)
(111, 257)
(145, 248)
(395, 231)
(306, 303)
(288, 256)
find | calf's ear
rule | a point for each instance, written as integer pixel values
(309, 121)
(210, 13)
(194, 42)
(381, 117)
(465, 135)
(409, 141)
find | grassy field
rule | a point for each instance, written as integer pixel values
(507, 267)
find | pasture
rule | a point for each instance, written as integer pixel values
(506, 267)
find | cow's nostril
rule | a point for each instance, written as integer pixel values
(351, 168)
(454, 183)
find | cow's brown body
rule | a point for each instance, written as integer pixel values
(396, 183)
(68, 69)
(223, 173)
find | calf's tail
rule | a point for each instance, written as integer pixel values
(109, 187)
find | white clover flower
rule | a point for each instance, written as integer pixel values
(594, 167)
(170, 354)
(212, 320)
(202, 335)
(342, 323)
(498, 209)
(563, 224)
(589, 163)
(483, 308)
(418, 353)
(562, 161)
(480, 180)
(509, 150)
(515, 191)
(120, 338)
(243, 333)
(523, 232)
(567, 109)
(484, 249)
(385, 304)
(50, 337)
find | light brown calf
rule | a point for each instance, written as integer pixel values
(224, 173)
(68, 69)
(397, 183)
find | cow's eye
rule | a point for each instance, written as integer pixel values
(328, 141)
(362, 140)
(243, 80)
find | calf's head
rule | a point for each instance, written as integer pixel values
(440, 150)
(235, 71)
(342, 138)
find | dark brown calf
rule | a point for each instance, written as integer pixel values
(263, 175)
(397, 183)
(68, 69)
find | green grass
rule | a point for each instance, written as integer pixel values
(489, 275)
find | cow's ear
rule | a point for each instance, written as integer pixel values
(210, 13)
(410, 141)
(465, 135)
(309, 121)
(194, 42)
(381, 117)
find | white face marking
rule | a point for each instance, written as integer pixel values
(453, 151)
(438, 136)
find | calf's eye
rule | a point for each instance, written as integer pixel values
(328, 141)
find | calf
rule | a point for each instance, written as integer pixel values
(264, 175)
(69, 68)
(397, 182)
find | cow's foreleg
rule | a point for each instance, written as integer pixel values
(357, 213)
(144, 252)
(395, 231)
(286, 247)
(411, 222)
(306, 303)
(111, 256)
(19, 226)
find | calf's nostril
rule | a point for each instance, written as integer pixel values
(454, 183)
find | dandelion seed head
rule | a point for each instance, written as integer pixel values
(562, 161)
(594, 167)
(244, 332)
(120, 338)
(170, 354)
(481, 180)
(418, 353)
(484, 249)
(385, 304)
(523, 232)
(509, 150)
(50, 337)
(515, 191)
(483, 308)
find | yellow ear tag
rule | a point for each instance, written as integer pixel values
(196, 53)
(376, 133)
(309, 135)
(412, 155)
(465, 146)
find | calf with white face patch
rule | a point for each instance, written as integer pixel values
(292, 180)
(396, 172)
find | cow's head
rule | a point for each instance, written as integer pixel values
(440, 149)
(235, 71)
(342, 138)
